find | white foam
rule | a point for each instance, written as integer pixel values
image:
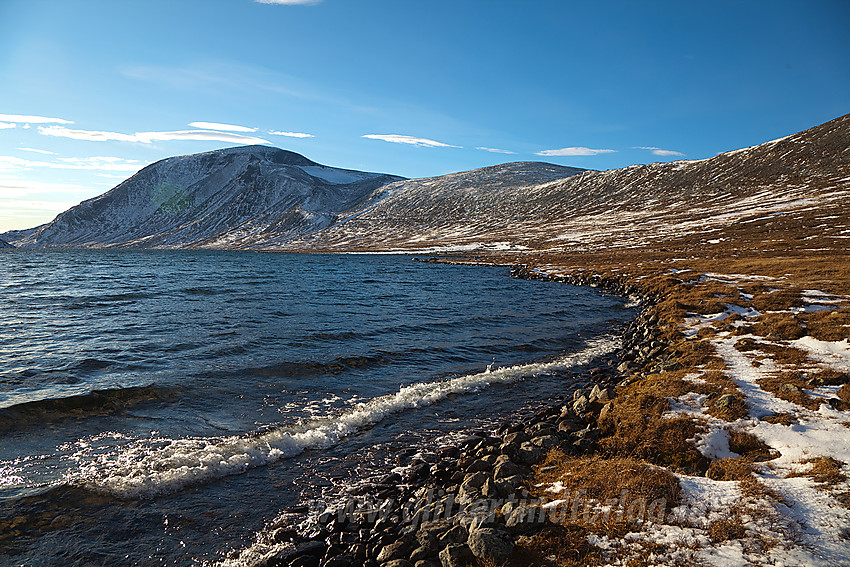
(146, 469)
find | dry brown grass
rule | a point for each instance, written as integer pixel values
(726, 529)
(787, 355)
(829, 377)
(825, 470)
(634, 427)
(789, 386)
(568, 546)
(752, 487)
(698, 354)
(781, 418)
(844, 394)
(778, 300)
(749, 446)
(829, 325)
(779, 326)
(733, 468)
(606, 478)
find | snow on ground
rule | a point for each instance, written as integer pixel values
(835, 354)
(791, 520)
(808, 524)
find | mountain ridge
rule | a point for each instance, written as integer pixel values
(259, 197)
(209, 200)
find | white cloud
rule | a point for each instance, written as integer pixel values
(401, 139)
(290, 2)
(45, 152)
(101, 163)
(23, 118)
(495, 150)
(290, 134)
(219, 126)
(574, 151)
(659, 151)
(150, 137)
(4, 125)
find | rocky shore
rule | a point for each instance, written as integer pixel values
(473, 501)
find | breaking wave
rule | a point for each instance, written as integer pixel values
(149, 469)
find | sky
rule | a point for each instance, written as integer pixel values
(93, 90)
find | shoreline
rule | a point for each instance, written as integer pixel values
(694, 437)
(476, 484)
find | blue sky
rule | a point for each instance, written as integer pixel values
(91, 90)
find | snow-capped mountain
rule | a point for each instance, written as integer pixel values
(773, 185)
(263, 198)
(232, 198)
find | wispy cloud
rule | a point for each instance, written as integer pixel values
(34, 150)
(289, 2)
(291, 134)
(495, 150)
(4, 125)
(219, 126)
(574, 151)
(28, 119)
(99, 163)
(150, 137)
(659, 151)
(401, 139)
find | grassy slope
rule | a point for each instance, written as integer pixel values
(763, 268)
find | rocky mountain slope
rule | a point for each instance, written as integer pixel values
(636, 205)
(4, 244)
(231, 198)
(263, 198)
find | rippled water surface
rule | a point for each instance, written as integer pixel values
(160, 407)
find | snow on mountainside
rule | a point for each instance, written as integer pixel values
(632, 206)
(231, 198)
(264, 198)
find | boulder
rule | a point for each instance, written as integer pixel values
(395, 550)
(491, 545)
(456, 555)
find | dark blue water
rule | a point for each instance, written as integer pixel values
(160, 407)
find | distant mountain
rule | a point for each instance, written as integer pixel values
(232, 198)
(257, 197)
(768, 183)
(4, 244)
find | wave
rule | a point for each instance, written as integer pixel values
(95, 402)
(149, 469)
(313, 368)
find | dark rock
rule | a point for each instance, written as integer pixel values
(456, 555)
(505, 470)
(521, 518)
(305, 561)
(491, 545)
(474, 480)
(478, 465)
(518, 437)
(580, 405)
(529, 453)
(396, 550)
(726, 401)
(448, 452)
(420, 553)
(455, 534)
